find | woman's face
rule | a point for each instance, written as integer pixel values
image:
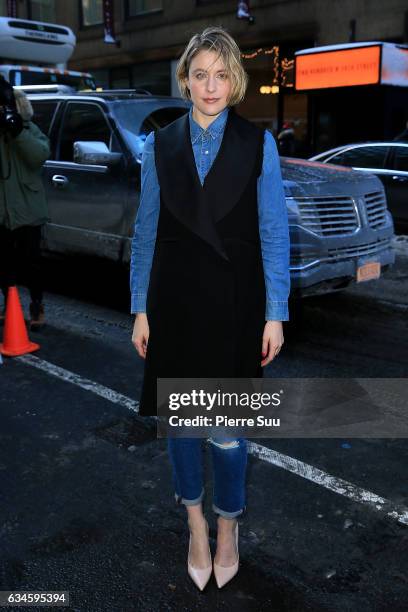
(209, 83)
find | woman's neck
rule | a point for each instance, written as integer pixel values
(202, 119)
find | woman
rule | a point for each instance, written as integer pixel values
(209, 273)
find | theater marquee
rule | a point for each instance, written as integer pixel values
(348, 65)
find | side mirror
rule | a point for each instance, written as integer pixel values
(95, 153)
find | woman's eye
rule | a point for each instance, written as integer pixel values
(201, 75)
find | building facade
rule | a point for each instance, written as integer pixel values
(151, 35)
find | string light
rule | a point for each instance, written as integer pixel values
(251, 55)
(287, 72)
(286, 65)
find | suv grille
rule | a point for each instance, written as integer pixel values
(376, 206)
(328, 215)
(370, 248)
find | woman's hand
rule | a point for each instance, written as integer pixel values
(140, 335)
(272, 341)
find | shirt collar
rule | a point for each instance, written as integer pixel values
(214, 129)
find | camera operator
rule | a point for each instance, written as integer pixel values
(23, 206)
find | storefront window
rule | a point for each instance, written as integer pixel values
(120, 78)
(155, 77)
(270, 100)
(42, 10)
(136, 7)
(92, 12)
(295, 109)
(261, 100)
(101, 78)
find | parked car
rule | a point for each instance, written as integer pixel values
(340, 227)
(388, 161)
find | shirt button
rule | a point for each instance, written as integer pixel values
(206, 152)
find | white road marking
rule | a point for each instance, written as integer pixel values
(333, 483)
(84, 383)
(300, 468)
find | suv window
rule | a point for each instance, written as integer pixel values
(128, 114)
(82, 121)
(362, 157)
(160, 118)
(44, 112)
(401, 159)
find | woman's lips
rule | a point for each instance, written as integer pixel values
(210, 100)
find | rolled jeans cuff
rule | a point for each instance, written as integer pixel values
(189, 502)
(228, 515)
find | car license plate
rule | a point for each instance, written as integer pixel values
(369, 270)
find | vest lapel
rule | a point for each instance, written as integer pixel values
(233, 166)
(200, 207)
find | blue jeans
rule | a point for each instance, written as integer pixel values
(229, 461)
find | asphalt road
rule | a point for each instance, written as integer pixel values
(87, 502)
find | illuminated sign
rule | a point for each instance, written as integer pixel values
(339, 68)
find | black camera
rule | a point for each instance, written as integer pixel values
(10, 119)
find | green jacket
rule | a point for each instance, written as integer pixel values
(22, 193)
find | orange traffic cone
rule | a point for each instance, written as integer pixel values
(16, 341)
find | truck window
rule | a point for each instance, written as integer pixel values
(82, 121)
(43, 114)
(31, 77)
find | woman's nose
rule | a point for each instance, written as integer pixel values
(211, 84)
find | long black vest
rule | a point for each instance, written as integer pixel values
(206, 297)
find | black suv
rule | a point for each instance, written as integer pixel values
(340, 227)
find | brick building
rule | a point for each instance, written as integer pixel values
(152, 34)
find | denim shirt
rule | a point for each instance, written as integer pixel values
(272, 214)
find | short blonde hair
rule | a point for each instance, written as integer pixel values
(214, 38)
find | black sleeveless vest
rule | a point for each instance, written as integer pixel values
(206, 297)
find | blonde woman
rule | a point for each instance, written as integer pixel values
(209, 274)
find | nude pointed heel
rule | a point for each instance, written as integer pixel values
(224, 574)
(200, 577)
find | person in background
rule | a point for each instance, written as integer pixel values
(286, 139)
(23, 206)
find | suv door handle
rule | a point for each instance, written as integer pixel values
(398, 177)
(58, 180)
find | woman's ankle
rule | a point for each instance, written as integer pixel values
(197, 527)
(226, 525)
(196, 518)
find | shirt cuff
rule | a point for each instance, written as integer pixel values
(277, 311)
(138, 303)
